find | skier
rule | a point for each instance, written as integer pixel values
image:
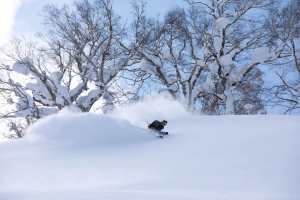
(158, 126)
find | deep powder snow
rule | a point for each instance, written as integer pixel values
(88, 156)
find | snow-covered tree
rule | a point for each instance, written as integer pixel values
(205, 55)
(78, 62)
(210, 55)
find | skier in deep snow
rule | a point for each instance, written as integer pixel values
(158, 126)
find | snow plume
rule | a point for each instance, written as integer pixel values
(8, 10)
(75, 134)
(161, 107)
(70, 127)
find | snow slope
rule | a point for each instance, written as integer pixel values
(91, 157)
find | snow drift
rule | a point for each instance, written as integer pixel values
(84, 129)
(88, 156)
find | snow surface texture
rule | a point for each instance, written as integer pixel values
(91, 157)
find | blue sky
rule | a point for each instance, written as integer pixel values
(24, 17)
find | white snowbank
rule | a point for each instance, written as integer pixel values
(88, 156)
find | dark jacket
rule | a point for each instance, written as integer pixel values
(157, 125)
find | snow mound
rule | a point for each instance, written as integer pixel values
(69, 128)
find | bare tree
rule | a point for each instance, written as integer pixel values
(163, 47)
(284, 25)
